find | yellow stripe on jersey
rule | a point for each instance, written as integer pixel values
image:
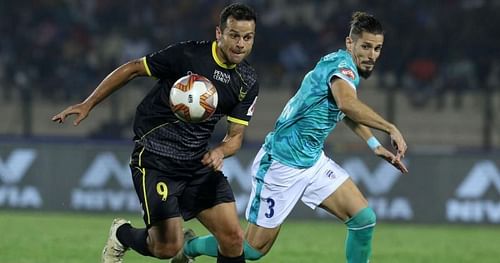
(242, 122)
(150, 131)
(146, 66)
(217, 59)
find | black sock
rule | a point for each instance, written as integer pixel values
(134, 238)
(223, 259)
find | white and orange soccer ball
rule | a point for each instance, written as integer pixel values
(193, 98)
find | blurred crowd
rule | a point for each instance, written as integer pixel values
(60, 49)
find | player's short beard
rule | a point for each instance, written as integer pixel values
(364, 73)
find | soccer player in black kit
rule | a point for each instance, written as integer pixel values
(175, 175)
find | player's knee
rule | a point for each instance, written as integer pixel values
(370, 216)
(364, 218)
(232, 239)
(166, 250)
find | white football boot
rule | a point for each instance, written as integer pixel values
(114, 250)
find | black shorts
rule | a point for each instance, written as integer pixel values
(171, 188)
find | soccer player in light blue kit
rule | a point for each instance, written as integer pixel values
(291, 165)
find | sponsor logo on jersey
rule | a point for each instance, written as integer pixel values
(348, 72)
(221, 76)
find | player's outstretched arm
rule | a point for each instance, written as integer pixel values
(347, 101)
(365, 133)
(229, 146)
(359, 129)
(115, 80)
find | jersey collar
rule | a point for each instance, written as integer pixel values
(217, 59)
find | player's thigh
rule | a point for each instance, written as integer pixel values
(261, 238)
(209, 192)
(326, 178)
(332, 189)
(221, 219)
(276, 188)
(346, 201)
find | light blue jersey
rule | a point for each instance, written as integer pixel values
(308, 117)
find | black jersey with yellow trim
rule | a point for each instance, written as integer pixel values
(155, 125)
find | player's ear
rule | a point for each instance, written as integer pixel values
(349, 43)
(218, 33)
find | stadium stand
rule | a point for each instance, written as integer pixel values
(57, 51)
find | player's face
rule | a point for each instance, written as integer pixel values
(365, 51)
(235, 42)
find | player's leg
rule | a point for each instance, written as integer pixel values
(274, 194)
(348, 204)
(210, 199)
(259, 240)
(276, 189)
(162, 238)
(222, 221)
(332, 190)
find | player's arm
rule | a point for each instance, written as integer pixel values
(348, 102)
(229, 146)
(366, 134)
(359, 129)
(115, 80)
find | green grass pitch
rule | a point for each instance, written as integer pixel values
(28, 237)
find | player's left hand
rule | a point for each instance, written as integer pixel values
(391, 158)
(214, 158)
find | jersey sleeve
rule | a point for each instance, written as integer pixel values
(343, 69)
(243, 111)
(162, 63)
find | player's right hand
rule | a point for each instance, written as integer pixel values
(399, 143)
(214, 158)
(391, 158)
(80, 110)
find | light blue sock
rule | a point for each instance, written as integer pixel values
(207, 245)
(204, 245)
(250, 252)
(359, 237)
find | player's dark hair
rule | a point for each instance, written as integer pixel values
(363, 22)
(239, 12)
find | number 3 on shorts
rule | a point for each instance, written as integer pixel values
(270, 202)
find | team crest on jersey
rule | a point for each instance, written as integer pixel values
(348, 72)
(243, 94)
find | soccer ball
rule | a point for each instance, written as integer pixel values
(193, 98)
